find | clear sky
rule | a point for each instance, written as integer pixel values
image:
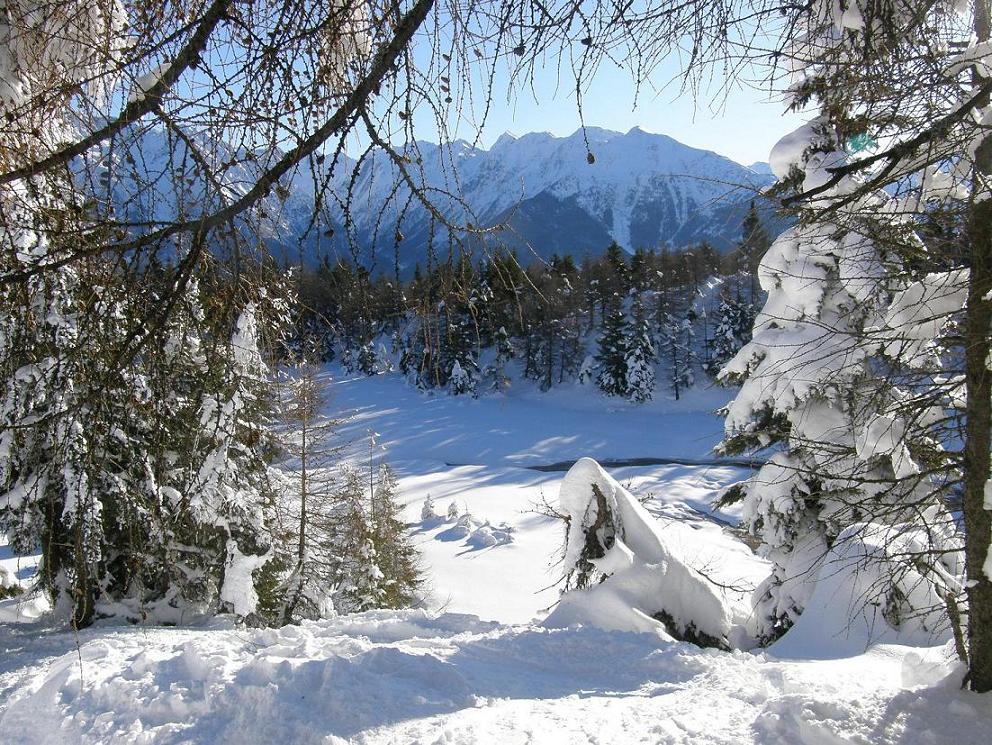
(742, 123)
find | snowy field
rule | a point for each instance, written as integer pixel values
(481, 455)
(477, 666)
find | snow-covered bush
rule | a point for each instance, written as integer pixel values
(427, 512)
(876, 585)
(462, 381)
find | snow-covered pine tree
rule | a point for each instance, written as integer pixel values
(77, 434)
(377, 562)
(396, 557)
(231, 492)
(348, 359)
(735, 319)
(460, 381)
(611, 358)
(640, 378)
(496, 373)
(813, 383)
(460, 362)
(367, 359)
(61, 420)
(427, 511)
(364, 588)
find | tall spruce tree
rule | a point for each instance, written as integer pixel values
(640, 378)
(611, 359)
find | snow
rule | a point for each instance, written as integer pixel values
(238, 589)
(789, 152)
(918, 314)
(479, 455)
(149, 80)
(476, 665)
(502, 430)
(846, 612)
(695, 575)
(412, 677)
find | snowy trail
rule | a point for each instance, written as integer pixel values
(405, 677)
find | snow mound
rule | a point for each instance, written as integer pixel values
(487, 536)
(476, 533)
(665, 577)
(24, 608)
(869, 591)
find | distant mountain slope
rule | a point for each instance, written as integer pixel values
(642, 190)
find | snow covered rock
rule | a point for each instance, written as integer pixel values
(634, 573)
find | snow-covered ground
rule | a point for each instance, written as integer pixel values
(476, 666)
(481, 453)
(410, 677)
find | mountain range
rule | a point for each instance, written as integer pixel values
(565, 195)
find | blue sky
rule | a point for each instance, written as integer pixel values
(742, 123)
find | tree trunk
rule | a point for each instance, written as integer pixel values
(977, 519)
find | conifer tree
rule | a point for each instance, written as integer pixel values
(367, 359)
(378, 564)
(496, 373)
(461, 356)
(395, 555)
(677, 347)
(735, 318)
(231, 492)
(640, 379)
(813, 383)
(611, 359)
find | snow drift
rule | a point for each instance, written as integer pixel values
(691, 583)
(387, 677)
(872, 587)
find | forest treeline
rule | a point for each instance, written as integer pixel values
(620, 320)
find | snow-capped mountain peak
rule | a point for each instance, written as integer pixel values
(565, 195)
